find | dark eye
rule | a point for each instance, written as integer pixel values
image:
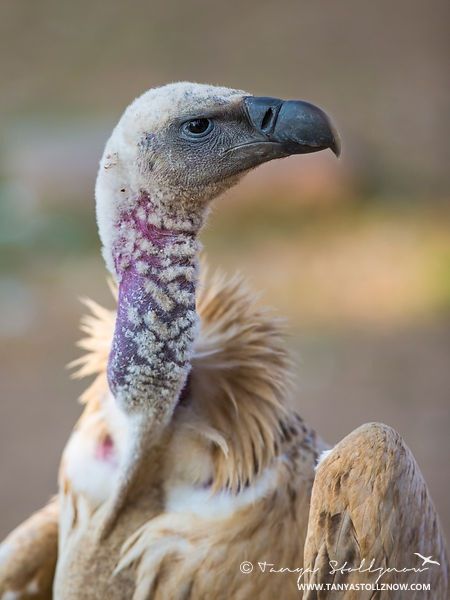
(198, 127)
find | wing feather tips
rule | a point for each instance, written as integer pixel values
(370, 501)
(28, 556)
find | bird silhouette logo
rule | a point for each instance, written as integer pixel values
(427, 560)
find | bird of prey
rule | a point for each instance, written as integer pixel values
(189, 468)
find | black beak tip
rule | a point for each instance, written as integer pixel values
(321, 128)
(335, 144)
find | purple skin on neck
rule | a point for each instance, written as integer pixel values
(156, 319)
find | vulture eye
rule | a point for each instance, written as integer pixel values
(198, 127)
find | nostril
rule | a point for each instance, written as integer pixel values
(267, 119)
(262, 112)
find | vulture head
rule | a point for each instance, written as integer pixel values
(178, 146)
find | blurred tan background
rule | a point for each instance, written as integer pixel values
(356, 253)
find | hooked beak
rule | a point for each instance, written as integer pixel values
(285, 127)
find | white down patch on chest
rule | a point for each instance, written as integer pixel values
(184, 498)
(87, 475)
(91, 472)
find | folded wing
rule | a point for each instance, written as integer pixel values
(371, 505)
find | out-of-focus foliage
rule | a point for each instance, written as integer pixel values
(379, 67)
(363, 239)
(355, 253)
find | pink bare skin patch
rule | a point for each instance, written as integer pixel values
(105, 450)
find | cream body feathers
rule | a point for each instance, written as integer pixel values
(232, 446)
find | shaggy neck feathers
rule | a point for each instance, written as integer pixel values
(239, 385)
(155, 257)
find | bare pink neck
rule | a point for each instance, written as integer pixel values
(156, 319)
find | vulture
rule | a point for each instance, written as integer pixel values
(189, 474)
